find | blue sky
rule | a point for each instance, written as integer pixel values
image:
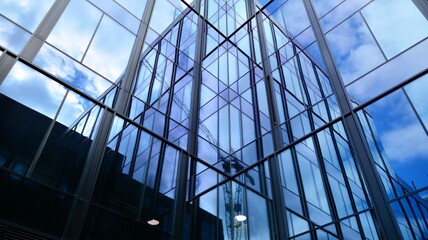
(402, 135)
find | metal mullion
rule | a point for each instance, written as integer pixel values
(301, 189)
(327, 186)
(45, 138)
(388, 225)
(80, 206)
(35, 43)
(415, 111)
(346, 180)
(325, 225)
(415, 218)
(130, 75)
(406, 216)
(422, 214)
(323, 95)
(257, 122)
(92, 38)
(172, 87)
(278, 201)
(322, 168)
(166, 125)
(386, 170)
(183, 166)
(146, 174)
(282, 92)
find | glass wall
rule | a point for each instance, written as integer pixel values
(232, 128)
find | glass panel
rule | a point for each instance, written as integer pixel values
(136, 7)
(33, 90)
(11, 36)
(28, 13)
(391, 73)
(398, 131)
(72, 72)
(74, 30)
(351, 42)
(64, 156)
(110, 49)
(417, 93)
(389, 20)
(258, 217)
(118, 13)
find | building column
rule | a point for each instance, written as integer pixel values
(80, 207)
(129, 77)
(387, 224)
(192, 140)
(422, 5)
(274, 168)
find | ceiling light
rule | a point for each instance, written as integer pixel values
(240, 218)
(153, 222)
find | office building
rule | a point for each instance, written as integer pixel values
(213, 119)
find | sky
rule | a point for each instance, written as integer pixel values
(400, 132)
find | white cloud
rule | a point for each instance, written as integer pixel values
(42, 94)
(75, 28)
(27, 13)
(391, 73)
(109, 51)
(341, 12)
(71, 71)
(406, 143)
(33, 90)
(354, 48)
(11, 36)
(389, 21)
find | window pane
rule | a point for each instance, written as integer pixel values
(110, 49)
(75, 28)
(396, 24)
(11, 36)
(351, 44)
(33, 90)
(28, 13)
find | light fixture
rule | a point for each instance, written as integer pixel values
(240, 218)
(153, 222)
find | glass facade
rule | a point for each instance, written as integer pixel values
(213, 119)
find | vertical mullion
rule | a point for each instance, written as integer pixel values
(279, 205)
(387, 224)
(318, 153)
(129, 79)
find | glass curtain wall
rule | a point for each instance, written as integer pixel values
(232, 128)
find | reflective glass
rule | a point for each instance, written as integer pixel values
(351, 42)
(73, 32)
(417, 93)
(324, 6)
(11, 36)
(258, 217)
(64, 156)
(136, 7)
(72, 72)
(112, 42)
(33, 90)
(400, 130)
(396, 24)
(397, 70)
(28, 13)
(118, 13)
